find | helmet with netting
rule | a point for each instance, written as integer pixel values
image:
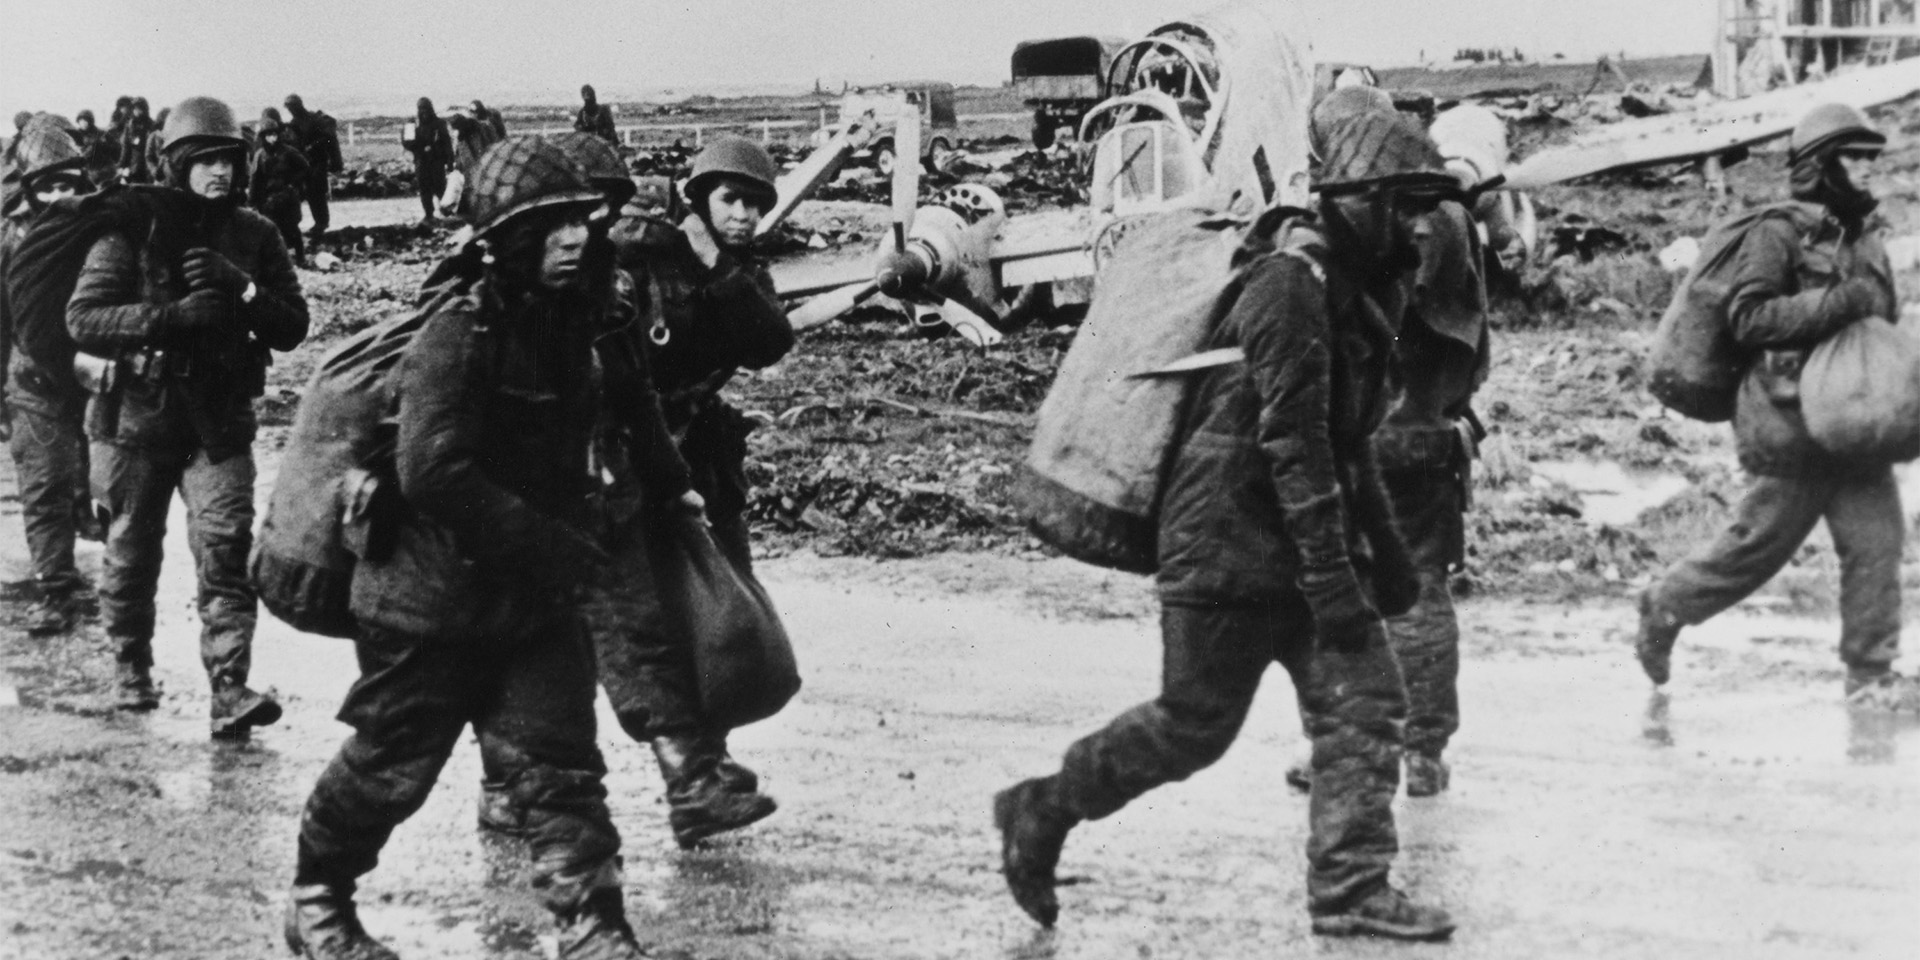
(600, 163)
(521, 174)
(1380, 148)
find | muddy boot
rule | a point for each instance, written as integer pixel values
(238, 708)
(1032, 828)
(52, 614)
(738, 778)
(700, 802)
(133, 686)
(599, 930)
(1654, 643)
(1388, 913)
(1427, 774)
(1877, 687)
(498, 813)
(322, 925)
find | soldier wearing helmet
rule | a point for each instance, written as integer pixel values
(1807, 269)
(706, 308)
(469, 617)
(318, 137)
(1276, 543)
(182, 317)
(41, 402)
(594, 117)
(277, 178)
(134, 158)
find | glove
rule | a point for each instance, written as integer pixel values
(1343, 617)
(1855, 298)
(202, 310)
(1396, 583)
(208, 270)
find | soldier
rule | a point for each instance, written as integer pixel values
(470, 617)
(595, 117)
(41, 402)
(185, 314)
(1802, 275)
(432, 149)
(94, 147)
(317, 136)
(491, 117)
(139, 127)
(277, 179)
(1276, 543)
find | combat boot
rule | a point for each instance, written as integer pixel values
(51, 614)
(1387, 913)
(498, 811)
(1877, 687)
(737, 777)
(1033, 828)
(1427, 774)
(1654, 643)
(598, 930)
(133, 686)
(322, 924)
(238, 708)
(700, 803)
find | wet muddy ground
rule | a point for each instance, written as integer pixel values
(1746, 813)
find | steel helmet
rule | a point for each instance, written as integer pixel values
(200, 124)
(1835, 124)
(600, 163)
(732, 157)
(46, 146)
(525, 173)
(1380, 148)
(1342, 103)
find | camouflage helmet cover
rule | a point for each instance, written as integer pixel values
(521, 174)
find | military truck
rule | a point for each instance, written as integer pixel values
(1060, 80)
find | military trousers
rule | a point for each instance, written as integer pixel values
(1774, 518)
(49, 449)
(431, 180)
(529, 699)
(136, 486)
(1428, 510)
(1212, 661)
(317, 191)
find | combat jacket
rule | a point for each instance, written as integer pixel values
(48, 387)
(183, 389)
(597, 120)
(1783, 304)
(1443, 346)
(318, 138)
(1274, 476)
(277, 180)
(495, 408)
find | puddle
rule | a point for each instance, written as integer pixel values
(1611, 494)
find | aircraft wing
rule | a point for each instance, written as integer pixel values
(1709, 130)
(1030, 248)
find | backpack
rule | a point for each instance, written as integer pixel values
(1697, 366)
(336, 476)
(1090, 485)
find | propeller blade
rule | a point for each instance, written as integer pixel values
(829, 305)
(906, 174)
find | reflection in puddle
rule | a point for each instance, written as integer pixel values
(1609, 493)
(1873, 736)
(1654, 727)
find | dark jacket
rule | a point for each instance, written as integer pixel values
(198, 386)
(317, 136)
(597, 120)
(496, 407)
(431, 146)
(1274, 482)
(134, 153)
(36, 362)
(277, 180)
(716, 320)
(1443, 348)
(1790, 291)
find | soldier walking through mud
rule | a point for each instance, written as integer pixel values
(707, 308)
(432, 149)
(1276, 543)
(277, 179)
(471, 616)
(42, 405)
(177, 314)
(317, 136)
(1805, 271)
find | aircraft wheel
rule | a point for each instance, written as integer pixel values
(940, 155)
(1042, 135)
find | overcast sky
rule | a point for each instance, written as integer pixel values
(65, 54)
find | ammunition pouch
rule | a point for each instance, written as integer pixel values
(101, 378)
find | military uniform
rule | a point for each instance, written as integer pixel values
(276, 181)
(316, 135)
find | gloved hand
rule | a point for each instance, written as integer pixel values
(1396, 582)
(210, 270)
(202, 310)
(1856, 298)
(1343, 617)
(6, 420)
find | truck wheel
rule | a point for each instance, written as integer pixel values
(883, 159)
(1042, 135)
(940, 154)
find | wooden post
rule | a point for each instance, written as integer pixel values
(353, 134)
